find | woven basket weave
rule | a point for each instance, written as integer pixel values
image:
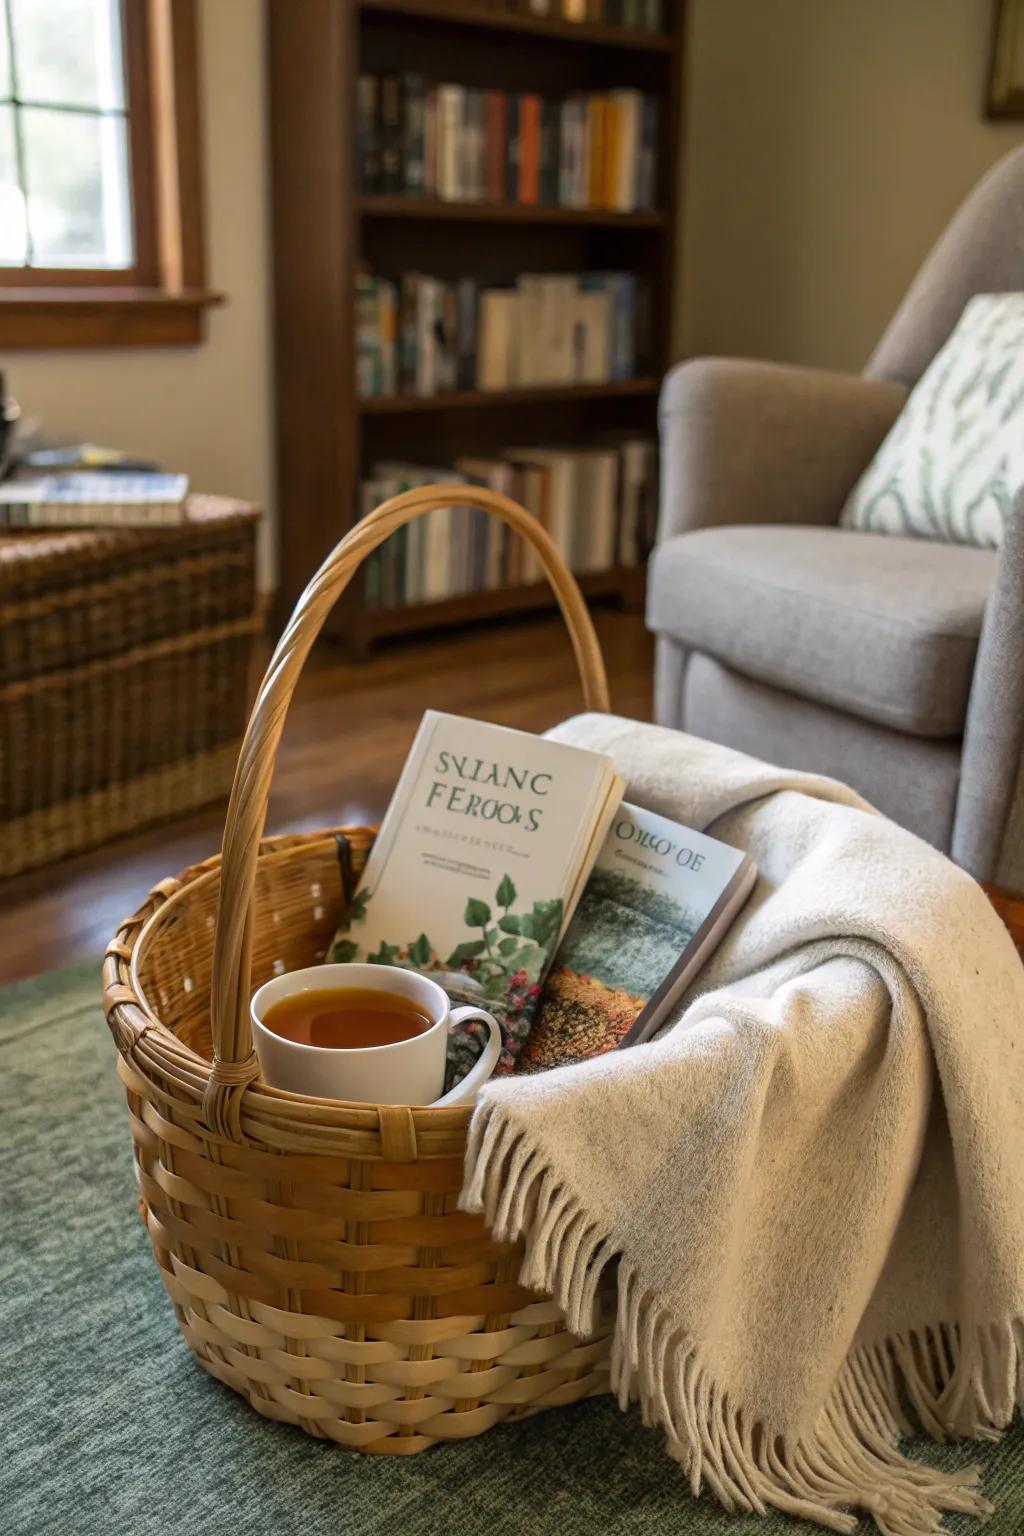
(314, 1252)
(125, 661)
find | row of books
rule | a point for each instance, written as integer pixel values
(639, 15)
(463, 145)
(424, 336)
(599, 505)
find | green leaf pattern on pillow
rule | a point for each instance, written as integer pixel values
(952, 463)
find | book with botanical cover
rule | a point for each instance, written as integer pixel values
(489, 839)
(658, 902)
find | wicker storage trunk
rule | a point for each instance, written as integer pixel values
(124, 674)
(313, 1250)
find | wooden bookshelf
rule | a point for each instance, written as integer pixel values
(480, 399)
(379, 206)
(468, 13)
(379, 622)
(323, 229)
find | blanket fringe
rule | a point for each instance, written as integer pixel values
(956, 1387)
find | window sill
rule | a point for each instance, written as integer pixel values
(46, 318)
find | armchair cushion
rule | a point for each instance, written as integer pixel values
(748, 442)
(883, 628)
(955, 457)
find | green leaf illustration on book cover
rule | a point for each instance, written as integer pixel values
(499, 964)
(344, 950)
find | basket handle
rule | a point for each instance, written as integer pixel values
(235, 1064)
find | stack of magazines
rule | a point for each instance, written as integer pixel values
(92, 499)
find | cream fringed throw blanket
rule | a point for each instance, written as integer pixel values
(814, 1181)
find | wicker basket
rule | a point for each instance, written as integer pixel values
(314, 1252)
(124, 671)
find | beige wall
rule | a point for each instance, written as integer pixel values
(828, 142)
(205, 410)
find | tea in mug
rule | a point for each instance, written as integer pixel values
(347, 1018)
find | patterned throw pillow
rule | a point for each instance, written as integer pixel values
(952, 463)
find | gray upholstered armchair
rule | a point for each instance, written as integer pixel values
(894, 664)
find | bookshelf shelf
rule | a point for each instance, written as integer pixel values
(326, 232)
(474, 399)
(470, 607)
(380, 206)
(464, 13)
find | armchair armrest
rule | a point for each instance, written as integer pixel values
(748, 442)
(988, 830)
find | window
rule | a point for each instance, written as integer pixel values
(66, 199)
(100, 238)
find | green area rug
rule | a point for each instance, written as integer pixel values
(109, 1428)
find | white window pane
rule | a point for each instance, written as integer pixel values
(5, 55)
(76, 172)
(69, 51)
(12, 204)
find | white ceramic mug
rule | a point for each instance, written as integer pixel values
(405, 1072)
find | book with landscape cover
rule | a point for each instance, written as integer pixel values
(488, 842)
(659, 901)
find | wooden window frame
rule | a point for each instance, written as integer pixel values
(161, 300)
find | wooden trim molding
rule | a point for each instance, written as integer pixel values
(1005, 96)
(102, 317)
(164, 300)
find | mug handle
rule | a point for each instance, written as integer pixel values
(465, 1092)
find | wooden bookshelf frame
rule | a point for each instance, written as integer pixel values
(323, 228)
(482, 399)
(468, 13)
(380, 206)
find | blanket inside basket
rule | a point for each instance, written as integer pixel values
(812, 1184)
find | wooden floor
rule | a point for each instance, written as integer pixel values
(346, 739)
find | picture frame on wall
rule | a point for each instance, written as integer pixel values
(1006, 80)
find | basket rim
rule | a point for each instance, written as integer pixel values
(271, 1118)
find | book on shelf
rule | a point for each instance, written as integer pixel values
(423, 336)
(659, 901)
(413, 133)
(636, 15)
(458, 144)
(390, 134)
(376, 335)
(486, 845)
(367, 133)
(597, 503)
(498, 341)
(93, 499)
